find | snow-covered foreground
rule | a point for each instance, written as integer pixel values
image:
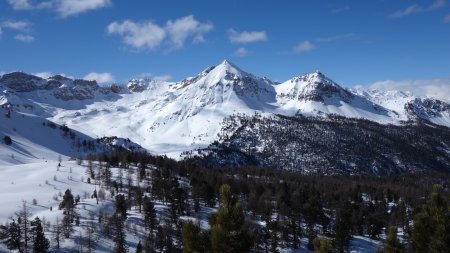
(41, 184)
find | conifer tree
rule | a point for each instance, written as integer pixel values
(149, 215)
(40, 242)
(12, 236)
(121, 206)
(192, 238)
(393, 244)
(119, 237)
(228, 230)
(343, 229)
(431, 232)
(139, 247)
(322, 245)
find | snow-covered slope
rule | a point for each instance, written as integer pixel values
(315, 94)
(35, 139)
(169, 118)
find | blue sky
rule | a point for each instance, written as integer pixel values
(352, 42)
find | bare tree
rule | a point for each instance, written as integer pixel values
(57, 232)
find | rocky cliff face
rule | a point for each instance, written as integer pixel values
(60, 87)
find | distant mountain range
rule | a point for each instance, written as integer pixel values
(177, 117)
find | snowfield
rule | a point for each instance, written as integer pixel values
(169, 118)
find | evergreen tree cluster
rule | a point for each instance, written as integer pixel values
(256, 209)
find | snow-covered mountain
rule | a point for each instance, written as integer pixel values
(172, 117)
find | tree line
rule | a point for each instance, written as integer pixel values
(254, 209)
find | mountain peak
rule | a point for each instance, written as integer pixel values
(228, 67)
(314, 86)
(227, 62)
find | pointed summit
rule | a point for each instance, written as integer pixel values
(313, 86)
(227, 66)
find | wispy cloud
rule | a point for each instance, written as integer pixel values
(64, 8)
(182, 28)
(447, 18)
(149, 75)
(340, 9)
(20, 4)
(163, 78)
(104, 77)
(438, 4)
(438, 88)
(240, 52)
(146, 75)
(18, 25)
(415, 8)
(345, 36)
(148, 35)
(22, 27)
(246, 37)
(43, 74)
(304, 46)
(67, 8)
(24, 38)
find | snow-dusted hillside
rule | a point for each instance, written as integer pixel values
(35, 139)
(169, 118)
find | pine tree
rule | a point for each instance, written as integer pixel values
(228, 230)
(343, 229)
(121, 206)
(194, 240)
(393, 244)
(119, 236)
(68, 200)
(323, 245)
(13, 236)
(40, 242)
(431, 232)
(149, 215)
(139, 247)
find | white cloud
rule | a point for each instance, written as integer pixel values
(24, 27)
(447, 18)
(240, 52)
(180, 29)
(24, 38)
(438, 88)
(20, 4)
(138, 35)
(304, 46)
(415, 8)
(104, 77)
(44, 75)
(406, 12)
(64, 8)
(146, 75)
(341, 9)
(346, 36)
(18, 25)
(67, 8)
(246, 37)
(438, 4)
(148, 35)
(164, 78)
(149, 75)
